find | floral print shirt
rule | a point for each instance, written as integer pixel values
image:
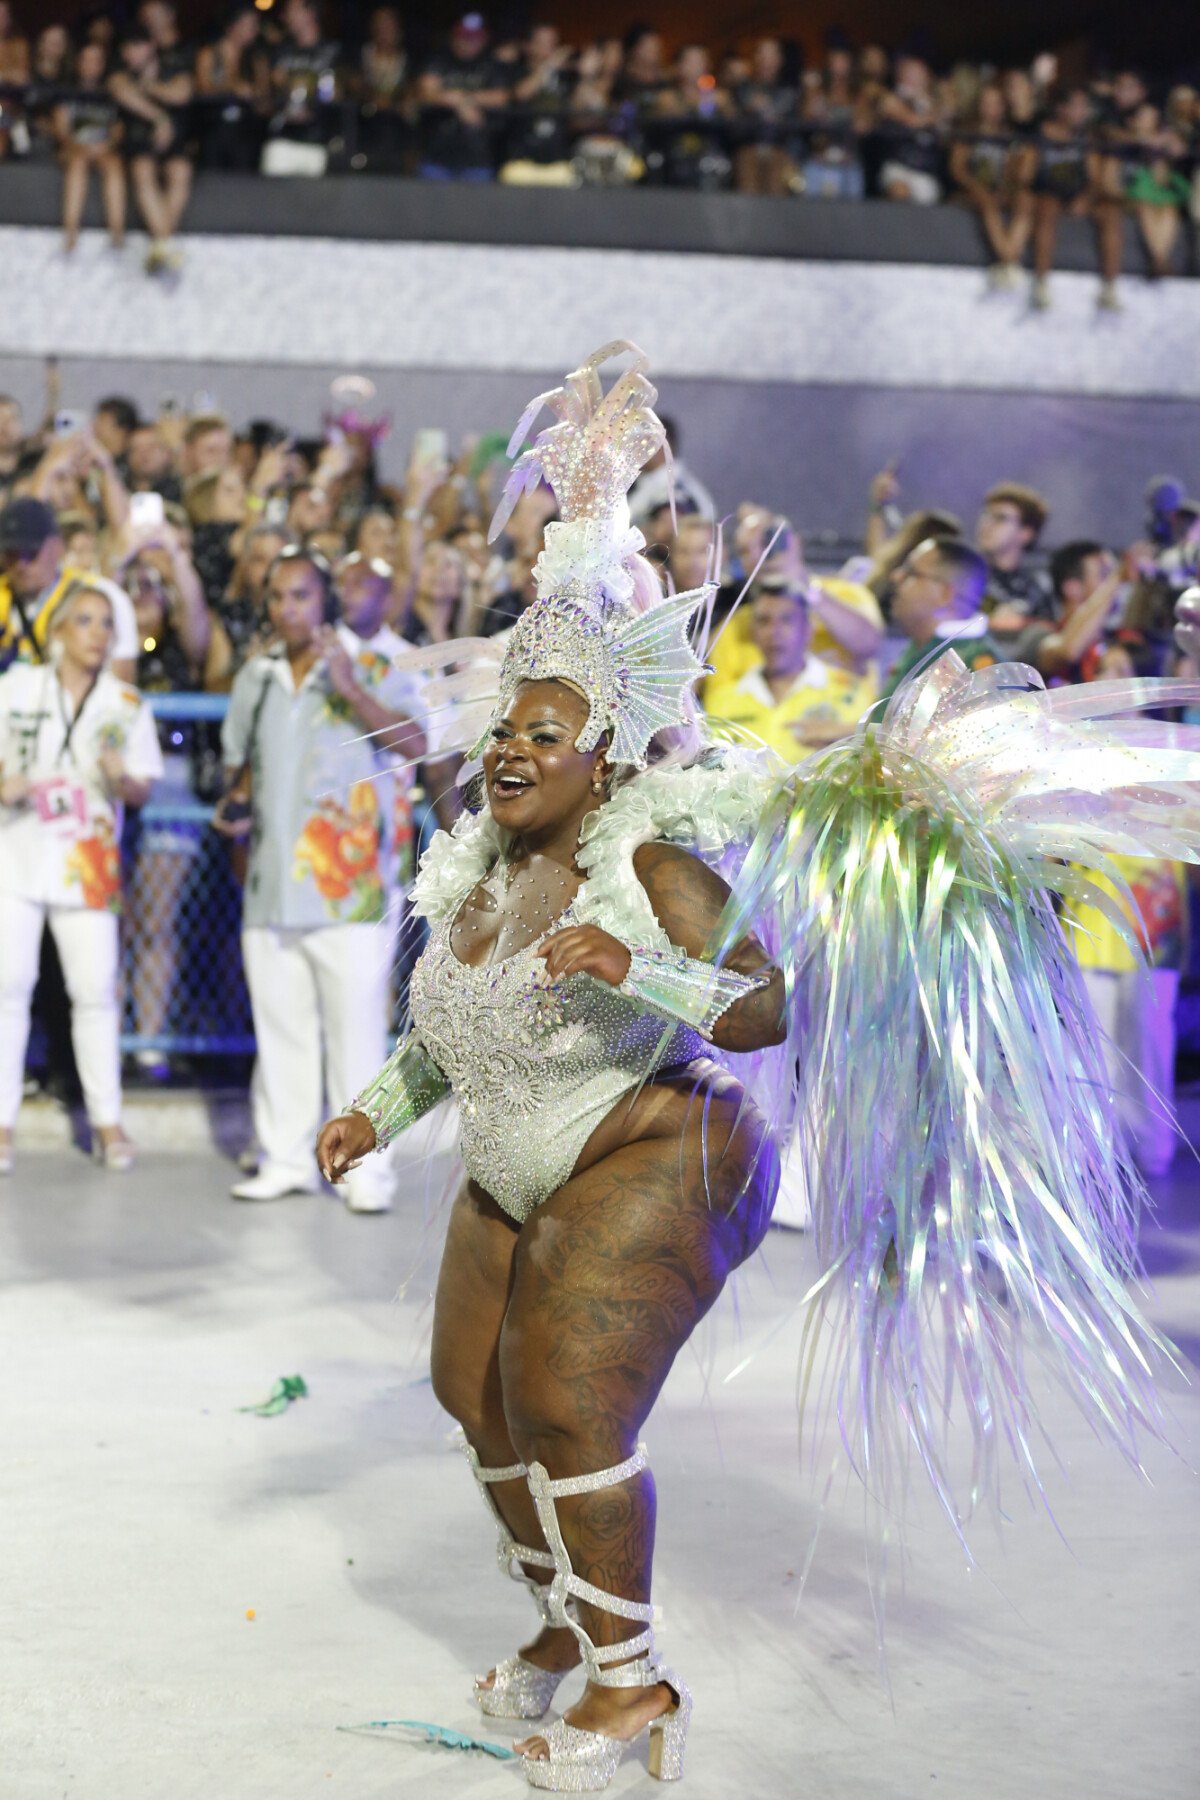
(322, 847)
(60, 848)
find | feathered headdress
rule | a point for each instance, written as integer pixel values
(632, 664)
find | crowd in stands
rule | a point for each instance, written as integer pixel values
(275, 89)
(202, 557)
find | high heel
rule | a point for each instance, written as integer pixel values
(519, 1690)
(584, 1762)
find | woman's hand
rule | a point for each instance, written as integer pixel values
(342, 1144)
(15, 790)
(585, 950)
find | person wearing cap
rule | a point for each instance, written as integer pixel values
(33, 580)
(76, 746)
(310, 741)
(462, 86)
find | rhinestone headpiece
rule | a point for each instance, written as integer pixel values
(632, 667)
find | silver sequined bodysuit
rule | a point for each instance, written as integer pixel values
(534, 1069)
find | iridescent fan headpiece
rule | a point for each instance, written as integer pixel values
(632, 664)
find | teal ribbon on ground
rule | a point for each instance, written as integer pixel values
(286, 1389)
(437, 1734)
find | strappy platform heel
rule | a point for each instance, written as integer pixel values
(584, 1762)
(519, 1690)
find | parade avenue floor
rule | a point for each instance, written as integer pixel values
(196, 1598)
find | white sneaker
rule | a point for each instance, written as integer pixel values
(368, 1198)
(6, 1159)
(270, 1184)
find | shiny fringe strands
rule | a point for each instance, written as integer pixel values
(972, 1199)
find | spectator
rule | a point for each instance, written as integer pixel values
(239, 625)
(232, 78)
(76, 745)
(308, 740)
(537, 147)
(216, 509)
(1021, 104)
(1067, 175)
(382, 86)
(938, 605)
(695, 155)
(462, 88)
(660, 477)
(506, 608)
(87, 126)
(33, 581)
(148, 464)
(173, 627)
(49, 75)
(835, 114)
(991, 172)
(153, 88)
(439, 597)
(12, 444)
(642, 76)
(791, 699)
(14, 50)
(375, 535)
(207, 444)
(690, 562)
(304, 82)
(1007, 530)
(910, 122)
(1157, 188)
(114, 421)
(767, 104)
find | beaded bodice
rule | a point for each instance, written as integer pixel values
(534, 1066)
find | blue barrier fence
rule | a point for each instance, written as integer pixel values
(185, 990)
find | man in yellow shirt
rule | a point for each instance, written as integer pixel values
(1134, 997)
(794, 701)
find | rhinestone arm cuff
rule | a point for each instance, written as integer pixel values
(680, 986)
(409, 1085)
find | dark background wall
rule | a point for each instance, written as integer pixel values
(1159, 36)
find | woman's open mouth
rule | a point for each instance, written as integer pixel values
(509, 785)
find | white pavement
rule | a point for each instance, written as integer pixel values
(142, 1518)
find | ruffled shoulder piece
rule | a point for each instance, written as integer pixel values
(712, 808)
(453, 864)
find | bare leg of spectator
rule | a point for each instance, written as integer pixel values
(992, 220)
(178, 191)
(1109, 216)
(113, 189)
(151, 204)
(1047, 212)
(1159, 226)
(1019, 227)
(76, 166)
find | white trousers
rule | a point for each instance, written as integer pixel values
(320, 1004)
(1136, 1011)
(87, 941)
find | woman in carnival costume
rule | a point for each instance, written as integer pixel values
(634, 914)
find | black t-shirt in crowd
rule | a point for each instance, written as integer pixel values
(541, 134)
(304, 76)
(1019, 590)
(447, 142)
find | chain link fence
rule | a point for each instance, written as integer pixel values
(185, 990)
